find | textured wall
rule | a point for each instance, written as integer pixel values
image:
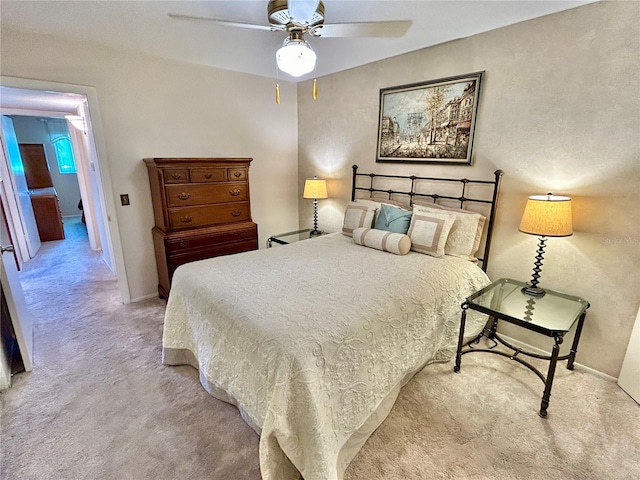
(559, 111)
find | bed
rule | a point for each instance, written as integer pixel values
(313, 341)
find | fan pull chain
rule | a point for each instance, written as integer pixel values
(277, 86)
(315, 88)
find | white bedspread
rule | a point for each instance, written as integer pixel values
(313, 341)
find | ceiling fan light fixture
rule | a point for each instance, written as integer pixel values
(296, 57)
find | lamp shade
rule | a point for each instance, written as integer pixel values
(547, 215)
(296, 57)
(315, 188)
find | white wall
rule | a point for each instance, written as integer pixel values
(156, 108)
(559, 111)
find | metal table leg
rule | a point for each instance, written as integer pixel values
(550, 374)
(576, 339)
(463, 321)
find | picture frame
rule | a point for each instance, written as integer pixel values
(429, 122)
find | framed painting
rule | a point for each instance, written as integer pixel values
(429, 122)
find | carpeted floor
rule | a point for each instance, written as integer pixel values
(100, 405)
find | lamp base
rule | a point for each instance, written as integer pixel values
(315, 232)
(533, 291)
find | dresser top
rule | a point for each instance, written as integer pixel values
(192, 161)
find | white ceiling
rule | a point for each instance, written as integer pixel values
(144, 26)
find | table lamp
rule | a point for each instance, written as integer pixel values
(315, 188)
(547, 216)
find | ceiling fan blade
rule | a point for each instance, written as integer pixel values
(364, 29)
(302, 11)
(226, 23)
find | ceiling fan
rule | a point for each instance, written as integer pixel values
(300, 17)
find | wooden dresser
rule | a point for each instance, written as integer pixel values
(201, 208)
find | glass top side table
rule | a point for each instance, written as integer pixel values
(552, 315)
(290, 237)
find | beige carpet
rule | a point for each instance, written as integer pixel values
(100, 405)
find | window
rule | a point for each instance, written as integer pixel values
(64, 153)
(59, 137)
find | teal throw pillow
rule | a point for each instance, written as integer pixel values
(393, 219)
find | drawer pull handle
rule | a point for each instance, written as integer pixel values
(207, 176)
(186, 219)
(235, 192)
(184, 244)
(176, 176)
(236, 213)
(184, 196)
(237, 174)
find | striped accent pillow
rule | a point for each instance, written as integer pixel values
(429, 232)
(356, 216)
(397, 243)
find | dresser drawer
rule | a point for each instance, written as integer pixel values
(205, 175)
(200, 216)
(176, 175)
(185, 195)
(197, 242)
(175, 260)
(237, 174)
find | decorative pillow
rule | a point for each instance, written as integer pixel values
(368, 203)
(466, 233)
(393, 219)
(429, 231)
(397, 243)
(356, 216)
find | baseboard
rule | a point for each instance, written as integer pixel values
(70, 216)
(145, 297)
(579, 366)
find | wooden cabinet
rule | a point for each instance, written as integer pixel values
(201, 208)
(47, 214)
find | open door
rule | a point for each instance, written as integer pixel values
(12, 289)
(12, 171)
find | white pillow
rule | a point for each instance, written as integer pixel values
(466, 232)
(368, 203)
(356, 216)
(397, 243)
(429, 231)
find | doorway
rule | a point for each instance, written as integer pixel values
(51, 174)
(73, 103)
(79, 106)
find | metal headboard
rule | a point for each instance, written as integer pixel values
(463, 198)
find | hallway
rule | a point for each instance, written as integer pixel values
(61, 270)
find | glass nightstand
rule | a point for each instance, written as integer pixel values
(552, 315)
(291, 237)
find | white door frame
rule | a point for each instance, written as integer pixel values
(100, 166)
(80, 156)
